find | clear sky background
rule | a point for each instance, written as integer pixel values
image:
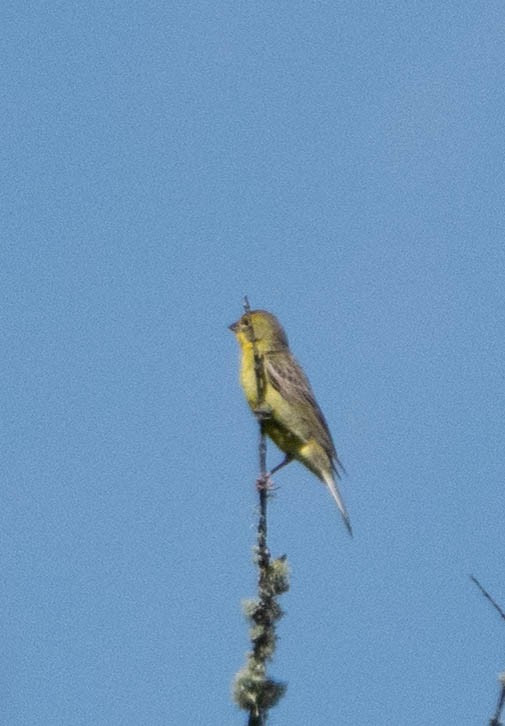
(342, 163)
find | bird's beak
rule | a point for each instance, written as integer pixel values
(233, 327)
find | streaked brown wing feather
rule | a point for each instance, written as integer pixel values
(286, 375)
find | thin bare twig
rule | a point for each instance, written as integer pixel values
(488, 597)
(264, 480)
(495, 721)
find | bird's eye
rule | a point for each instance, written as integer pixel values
(245, 321)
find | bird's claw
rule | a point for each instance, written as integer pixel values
(264, 482)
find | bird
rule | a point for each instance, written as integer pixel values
(280, 395)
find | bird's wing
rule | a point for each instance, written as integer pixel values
(286, 375)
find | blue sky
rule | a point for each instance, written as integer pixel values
(342, 164)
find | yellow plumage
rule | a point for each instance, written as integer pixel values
(277, 387)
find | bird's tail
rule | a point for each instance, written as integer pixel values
(332, 486)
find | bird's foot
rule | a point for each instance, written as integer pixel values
(264, 483)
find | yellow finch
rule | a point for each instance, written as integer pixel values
(278, 390)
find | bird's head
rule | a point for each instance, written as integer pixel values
(262, 328)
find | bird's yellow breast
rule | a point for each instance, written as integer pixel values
(278, 408)
(248, 373)
(280, 413)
